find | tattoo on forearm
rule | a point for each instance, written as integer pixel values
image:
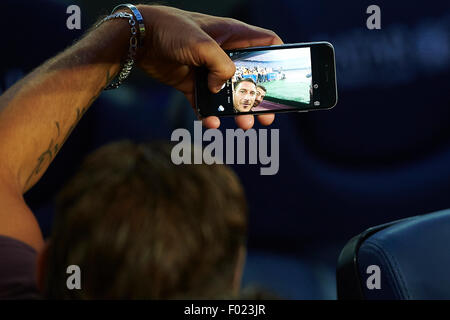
(53, 148)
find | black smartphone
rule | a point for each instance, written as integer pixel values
(297, 77)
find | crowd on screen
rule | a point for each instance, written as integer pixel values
(258, 74)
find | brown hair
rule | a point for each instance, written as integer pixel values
(237, 83)
(262, 87)
(139, 226)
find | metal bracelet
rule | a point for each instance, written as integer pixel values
(137, 16)
(130, 60)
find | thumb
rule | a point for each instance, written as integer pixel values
(220, 66)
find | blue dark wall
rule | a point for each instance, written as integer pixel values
(381, 154)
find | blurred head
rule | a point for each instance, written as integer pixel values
(260, 94)
(244, 95)
(139, 226)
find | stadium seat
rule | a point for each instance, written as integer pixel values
(410, 257)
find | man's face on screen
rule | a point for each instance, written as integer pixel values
(260, 94)
(244, 96)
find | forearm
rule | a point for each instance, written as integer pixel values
(39, 112)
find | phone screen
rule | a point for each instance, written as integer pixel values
(271, 79)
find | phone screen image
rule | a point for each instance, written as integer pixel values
(286, 78)
(272, 79)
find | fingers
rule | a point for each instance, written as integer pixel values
(231, 34)
(266, 119)
(211, 122)
(245, 122)
(221, 69)
(220, 66)
(251, 37)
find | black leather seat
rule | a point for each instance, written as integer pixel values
(410, 257)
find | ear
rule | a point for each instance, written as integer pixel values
(41, 265)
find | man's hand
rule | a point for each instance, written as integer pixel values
(178, 41)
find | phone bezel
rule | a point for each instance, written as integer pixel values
(322, 54)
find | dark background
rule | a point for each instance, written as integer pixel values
(381, 154)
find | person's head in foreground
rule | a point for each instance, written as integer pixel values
(244, 95)
(139, 226)
(260, 94)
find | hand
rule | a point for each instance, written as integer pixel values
(177, 41)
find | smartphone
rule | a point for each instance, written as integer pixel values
(297, 77)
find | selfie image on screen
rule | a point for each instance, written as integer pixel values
(272, 79)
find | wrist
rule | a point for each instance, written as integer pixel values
(113, 36)
(150, 15)
(137, 35)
